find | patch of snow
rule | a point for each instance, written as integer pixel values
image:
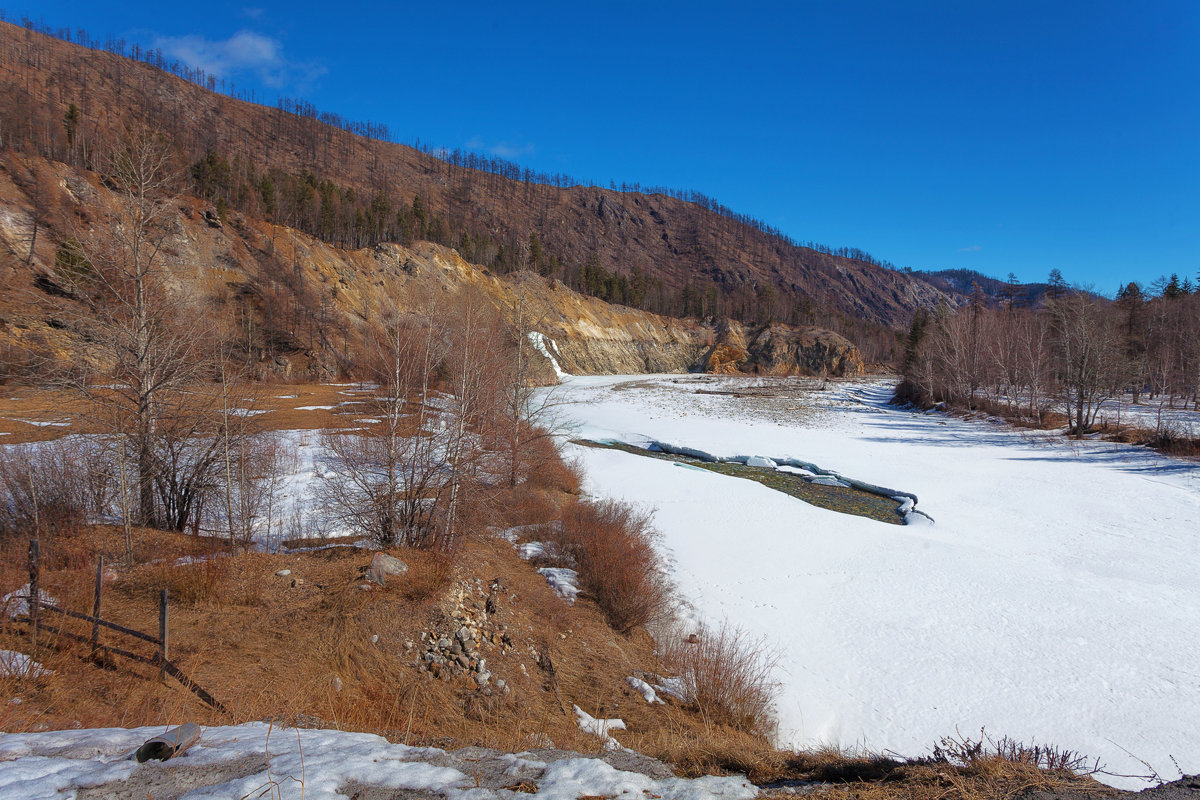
(826, 480)
(760, 461)
(19, 665)
(16, 603)
(589, 777)
(673, 687)
(314, 408)
(564, 582)
(40, 424)
(531, 550)
(542, 344)
(600, 728)
(644, 689)
(313, 764)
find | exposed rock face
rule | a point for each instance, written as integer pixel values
(590, 337)
(781, 349)
(245, 261)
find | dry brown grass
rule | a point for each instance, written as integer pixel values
(314, 649)
(729, 676)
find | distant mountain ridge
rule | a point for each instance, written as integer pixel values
(965, 281)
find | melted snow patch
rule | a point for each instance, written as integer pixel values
(564, 582)
(600, 728)
(644, 689)
(19, 665)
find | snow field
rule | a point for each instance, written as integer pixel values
(1054, 600)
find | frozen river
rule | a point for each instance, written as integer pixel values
(1055, 599)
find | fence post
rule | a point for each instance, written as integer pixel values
(162, 631)
(34, 597)
(96, 607)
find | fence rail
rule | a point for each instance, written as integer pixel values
(159, 659)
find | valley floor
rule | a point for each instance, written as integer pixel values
(1055, 598)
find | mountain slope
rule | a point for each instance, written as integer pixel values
(298, 307)
(684, 258)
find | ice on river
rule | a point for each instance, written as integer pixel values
(1055, 600)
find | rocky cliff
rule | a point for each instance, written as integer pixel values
(300, 303)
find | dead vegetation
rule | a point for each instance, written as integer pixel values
(300, 638)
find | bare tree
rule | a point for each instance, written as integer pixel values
(141, 346)
(528, 408)
(1087, 356)
(386, 482)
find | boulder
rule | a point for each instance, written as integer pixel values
(383, 565)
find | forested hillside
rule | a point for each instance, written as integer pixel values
(677, 253)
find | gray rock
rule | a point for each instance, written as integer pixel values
(382, 566)
(283, 573)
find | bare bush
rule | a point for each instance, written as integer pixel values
(50, 486)
(611, 544)
(244, 502)
(728, 675)
(966, 752)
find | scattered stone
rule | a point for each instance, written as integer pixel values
(337, 683)
(383, 565)
(283, 573)
(374, 638)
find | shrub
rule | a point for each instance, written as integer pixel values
(611, 544)
(963, 751)
(50, 486)
(546, 468)
(728, 675)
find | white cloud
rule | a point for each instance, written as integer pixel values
(975, 248)
(243, 52)
(506, 150)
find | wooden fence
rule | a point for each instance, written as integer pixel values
(161, 642)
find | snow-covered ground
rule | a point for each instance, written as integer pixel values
(1055, 599)
(253, 760)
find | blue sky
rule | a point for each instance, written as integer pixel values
(999, 136)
